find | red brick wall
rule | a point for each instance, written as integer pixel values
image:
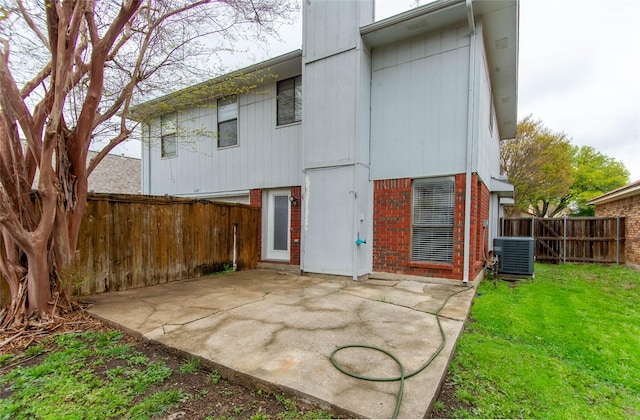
(295, 229)
(391, 224)
(255, 198)
(629, 208)
(392, 230)
(479, 213)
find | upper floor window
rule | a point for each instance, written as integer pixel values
(433, 220)
(168, 136)
(290, 100)
(227, 122)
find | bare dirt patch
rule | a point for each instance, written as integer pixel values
(209, 395)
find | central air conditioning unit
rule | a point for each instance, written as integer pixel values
(515, 255)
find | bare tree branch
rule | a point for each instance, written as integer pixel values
(32, 25)
(97, 55)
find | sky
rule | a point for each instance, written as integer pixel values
(579, 69)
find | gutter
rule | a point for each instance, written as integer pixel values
(408, 15)
(142, 111)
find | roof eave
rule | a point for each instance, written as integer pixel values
(501, 187)
(628, 190)
(501, 33)
(285, 64)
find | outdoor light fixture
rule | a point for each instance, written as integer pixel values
(293, 200)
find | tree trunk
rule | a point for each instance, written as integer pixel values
(9, 264)
(38, 286)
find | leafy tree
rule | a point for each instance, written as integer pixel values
(594, 174)
(537, 162)
(70, 70)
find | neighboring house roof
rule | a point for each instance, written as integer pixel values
(628, 190)
(115, 174)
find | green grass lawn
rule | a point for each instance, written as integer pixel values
(101, 375)
(564, 345)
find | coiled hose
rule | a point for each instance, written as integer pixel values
(402, 375)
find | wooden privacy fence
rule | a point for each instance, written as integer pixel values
(569, 239)
(129, 241)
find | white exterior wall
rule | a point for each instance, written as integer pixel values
(337, 188)
(363, 222)
(487, 147)
(331, 27)
(266, 156)
(419, 103)
(330, 105)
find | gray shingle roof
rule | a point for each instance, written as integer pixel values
(116, 174)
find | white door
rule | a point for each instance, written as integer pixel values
(329, 239)
(278, 221)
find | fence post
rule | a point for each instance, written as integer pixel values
(533, 222)
(617, 240)
(564, 240)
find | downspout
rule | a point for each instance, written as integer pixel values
(355, 228)
(304, 181)
(470, 19)
(470, 136)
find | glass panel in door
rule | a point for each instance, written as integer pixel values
(281, 223)
(278, 220)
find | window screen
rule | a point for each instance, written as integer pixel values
(433, 220)
(227, 122)
(290, 100)
(168, 137)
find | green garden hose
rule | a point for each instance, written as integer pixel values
(402, 375)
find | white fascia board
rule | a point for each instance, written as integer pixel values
(502, 188)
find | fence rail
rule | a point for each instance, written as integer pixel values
(129, 241)
(579, 239)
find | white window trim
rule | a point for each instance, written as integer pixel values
(269, 253)
(449, 229)
(294, 122)
(166, 124)
(218, 121)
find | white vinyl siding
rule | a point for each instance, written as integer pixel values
(419, 105)
(329, 129)
(433, 220)
(269, 156)
(227, 122)
(168, 136)
(290, 100)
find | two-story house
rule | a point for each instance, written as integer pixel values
(372, 151)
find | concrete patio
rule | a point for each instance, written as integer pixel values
(277, 330)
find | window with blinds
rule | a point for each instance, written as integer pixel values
(433, 220)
